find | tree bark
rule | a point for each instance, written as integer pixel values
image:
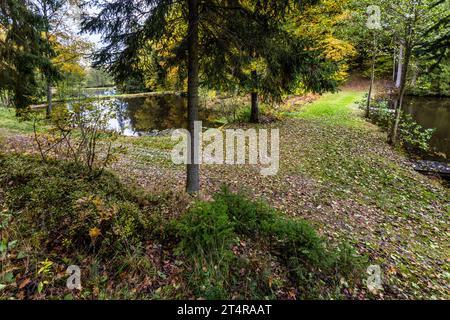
(400, 67)
(393, 137)
(49, 99)
(193, 167)
(49, 86)
(372, 79)
(254, 116)
(394, 65)
(254, 113)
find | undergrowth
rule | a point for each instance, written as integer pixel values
(54, 215)
(315, 268)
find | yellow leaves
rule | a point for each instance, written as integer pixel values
(270, 282)
(94, 209)
(46, 266)
(69, 52)
(338, 50)
(318, 22)
(98, 202)
(73, 68)
(94, 233)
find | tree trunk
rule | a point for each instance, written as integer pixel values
(372, 80)
(193, 168)
(49, 85)
(394, 66)
(49, 100)
(393, 137)
(254, 114)
(400, 67)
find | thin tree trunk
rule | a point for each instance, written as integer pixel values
(400, 67)
(372, 79)
(49, 100)
(193, 168)
(394, 67)
(393, 137)
(49, 86)
(254, 114)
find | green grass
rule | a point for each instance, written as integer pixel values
(9, 121)
(333, 109)
(359, 176)
(55, 214)
(161, 143)
(338, 172)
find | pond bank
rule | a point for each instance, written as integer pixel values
(106, 97)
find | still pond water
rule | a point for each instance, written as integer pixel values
(140, 116)
(137, 116)
(432, 113)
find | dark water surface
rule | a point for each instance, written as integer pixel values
(431, 112)
(139, 116)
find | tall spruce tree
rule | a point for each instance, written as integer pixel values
(23, 51)
(51, 12)
(268, 62)
(195, 32)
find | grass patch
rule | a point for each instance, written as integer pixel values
(10, 122)
(54, 215)
(333, 109)
(161, 143)
(58, 216)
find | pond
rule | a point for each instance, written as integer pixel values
(432, 112)
(143, 114)
(149, 115)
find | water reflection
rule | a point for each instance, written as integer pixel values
(146, 115)
(432, 113)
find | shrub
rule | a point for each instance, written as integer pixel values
(296, 238)
(247, 216)
(206, 236)
(209, 229)
(59, 208)
(77, 134)
(413, 136)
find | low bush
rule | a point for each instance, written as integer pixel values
(208, 231)
(247, 216)
(61, 208)
(231, 247)
(206, 236)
